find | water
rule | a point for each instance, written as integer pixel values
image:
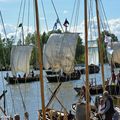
(32, 98)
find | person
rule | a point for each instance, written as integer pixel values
(80, 110)
(32, 74)
(24, 76)
(19, 76)
(109, 107)
(118, 78)
(7, 75)
(101, 108)
(70, 116)
(113, 78)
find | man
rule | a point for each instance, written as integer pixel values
(109, 108)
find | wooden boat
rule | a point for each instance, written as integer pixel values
(93, 58)
(55, 77)
(19, 62)
(92, 69)
(59, 55)
(93, 90)
(52, 114)
(98, 89)
(15, 80)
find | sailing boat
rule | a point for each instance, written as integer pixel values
(93, 58)
(59, 55)
(19, 62)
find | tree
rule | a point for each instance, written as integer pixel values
(80, 49)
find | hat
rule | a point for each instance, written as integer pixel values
(105, 94)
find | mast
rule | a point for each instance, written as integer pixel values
(86, 61)
(40, 61)
(100, 45)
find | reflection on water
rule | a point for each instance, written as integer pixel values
(31, 94)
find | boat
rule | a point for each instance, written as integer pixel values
(19, 61)
(93, 58)
(92, 69)
(94, 90)
(98, 89)
(59, 55)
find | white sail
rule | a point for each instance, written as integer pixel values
(93, 55)
(45, 60)
(113, 52)
(20, 59)
(60, 51)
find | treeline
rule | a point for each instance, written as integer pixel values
(31, 38)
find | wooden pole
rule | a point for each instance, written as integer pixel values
(86, 61)
(59, 101)
(40, 61)
(100, 45)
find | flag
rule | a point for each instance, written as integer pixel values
(20, 25)
(66, 23)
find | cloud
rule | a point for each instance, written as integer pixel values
(11, 31)
(114, 25)
(65, 12)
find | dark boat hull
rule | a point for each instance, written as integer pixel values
(93, 90)
(113, 90)
(92, 69)
(62, 78)
(13, 80)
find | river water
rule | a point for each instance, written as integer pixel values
(30, 92)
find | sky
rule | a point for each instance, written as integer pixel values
(10, 11)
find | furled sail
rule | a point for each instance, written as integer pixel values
(60, 51)
(20, 58)
(93, 55)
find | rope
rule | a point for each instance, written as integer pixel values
(3, 57)
(57, 15)
(76, 16)
(72, 15)
(44, 15)
(104, 14)
(24, 106)
(13, 104)
(28, 15)
(18, 18)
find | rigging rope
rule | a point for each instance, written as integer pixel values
(44, 15)
(18, 18)
(76, 16)
(57, 15)
(72, 15)
(105, 15)
(4, 56)
(28, 16)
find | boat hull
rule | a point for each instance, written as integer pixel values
(92, 69)
(62, 78)
(13, 80)
(57, 77)
(113, 90)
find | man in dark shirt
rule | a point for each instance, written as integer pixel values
(109, 107)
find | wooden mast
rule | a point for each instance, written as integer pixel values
(86, 61)
(100, 45)
(40, 61)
